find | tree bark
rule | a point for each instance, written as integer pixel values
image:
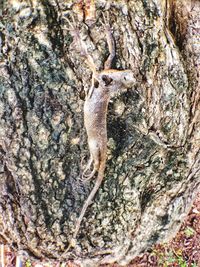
(153, 167)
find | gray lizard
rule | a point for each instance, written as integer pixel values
(104, 83)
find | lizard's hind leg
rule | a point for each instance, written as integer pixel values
(87, 167)
(87, 177)
(95, 155)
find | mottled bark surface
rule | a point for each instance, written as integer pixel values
(153, 165)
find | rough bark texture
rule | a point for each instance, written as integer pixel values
(153, 165)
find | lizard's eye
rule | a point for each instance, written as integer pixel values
(96, 84)
(107, 80)
(125, 78)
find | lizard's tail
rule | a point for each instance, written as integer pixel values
(85, 206)
(90, 197)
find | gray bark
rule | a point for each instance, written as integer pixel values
(153, 166)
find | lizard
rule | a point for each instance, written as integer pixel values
(104, 84)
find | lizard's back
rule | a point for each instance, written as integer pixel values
(95, 112)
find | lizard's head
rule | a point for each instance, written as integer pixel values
(116, 79)
(127, 78)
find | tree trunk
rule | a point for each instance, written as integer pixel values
(153, 167)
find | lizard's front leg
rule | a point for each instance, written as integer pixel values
(111, 43)
(82, 46)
